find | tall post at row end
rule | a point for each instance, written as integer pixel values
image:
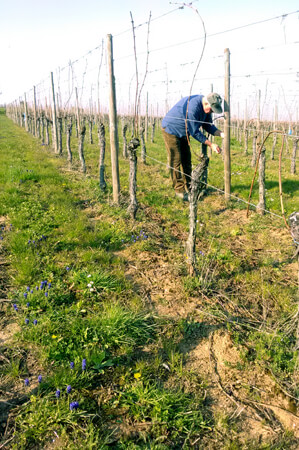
(54, 117)
(226, 141)
(113, 123)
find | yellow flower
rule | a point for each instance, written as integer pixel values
(54, 336)
(137, 375)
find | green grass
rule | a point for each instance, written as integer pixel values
(137, 390)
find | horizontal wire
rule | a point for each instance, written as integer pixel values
(214, 187)
(215, 34)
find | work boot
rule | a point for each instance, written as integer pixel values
(183, 196)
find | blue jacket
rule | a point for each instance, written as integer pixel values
(175, 119)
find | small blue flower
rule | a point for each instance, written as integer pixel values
(35, 322)
(40, 379)
(25, 294)
(26, 382)
(57, 393)
(29, 242)
(68, 389)
(67, 268)
(27, 304)
(46, 294)
(72, 365)
(31, 292)
(15, 307)
(36, 287)
(84, 364)
(49, 285)
(28, 288)
(74, 405)
(27, 321)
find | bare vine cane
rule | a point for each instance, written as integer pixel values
(133, 206)
(196, 187)
(102, 143)
(294, 229)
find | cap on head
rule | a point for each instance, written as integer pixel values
(216, 102)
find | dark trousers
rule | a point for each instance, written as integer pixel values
(179, 154)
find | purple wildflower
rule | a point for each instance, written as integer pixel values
(84, 364)
(26, 381)
(57, 393)
(74, 405)
(40, 378)
(68, 389)
(27, 304)
(67, 268)
(27, 321)
(28, 288)
(35, 322)
(72, 365)
(15, 307)
(46, 294)
(25, 294)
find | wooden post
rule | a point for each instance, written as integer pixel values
(102, 143)
(77, 112)
(146, 119)
(226, 140)
(113, 123)
(125, 144)
(34, 112)
(143, 147)
(294, 154)
(68, 140)
(54, 118)
(274, 127)
(262, 191)
(26, 113)
(245, 130)
(294, 229)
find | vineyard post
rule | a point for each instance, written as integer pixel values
(274, 128)
(77, 112)
(54, 118)
(294, 154)
(26, 113)
(294, 229)
(226, 140)
(34, 112)
(146, 118)
(113, 123)
(262, 191)
(245, 130)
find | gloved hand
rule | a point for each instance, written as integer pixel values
(216, 148)
(222, 135)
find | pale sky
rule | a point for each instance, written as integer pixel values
(38, 37)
